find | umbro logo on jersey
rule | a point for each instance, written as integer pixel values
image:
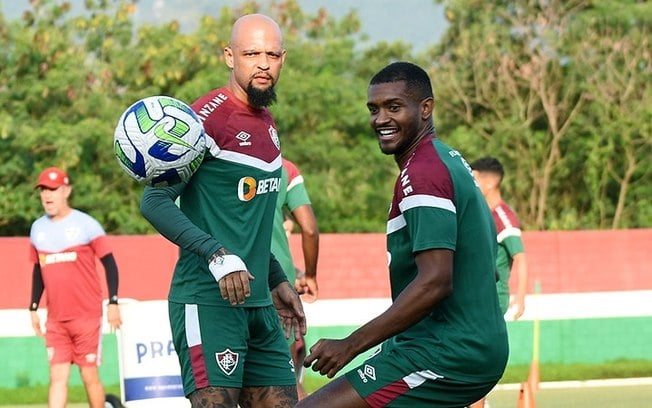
(227, 361)
(243, 137)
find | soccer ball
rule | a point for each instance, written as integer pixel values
(159, 141)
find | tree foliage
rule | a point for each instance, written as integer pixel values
(558, 90)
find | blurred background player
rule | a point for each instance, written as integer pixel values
(510, 260)
(443, 340)
(293, 206)
(64, 244)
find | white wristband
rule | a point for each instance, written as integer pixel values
(222, 265)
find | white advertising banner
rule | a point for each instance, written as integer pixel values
(149, 368)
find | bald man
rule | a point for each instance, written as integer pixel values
(228, 290)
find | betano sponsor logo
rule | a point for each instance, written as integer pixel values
(249, 187)
(60, 257)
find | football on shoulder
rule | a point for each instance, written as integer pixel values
(159, 141)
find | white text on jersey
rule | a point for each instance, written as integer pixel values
(211, 105)
(248, 187)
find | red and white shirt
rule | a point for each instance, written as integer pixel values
(66, 250)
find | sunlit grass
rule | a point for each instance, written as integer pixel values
(514, 374)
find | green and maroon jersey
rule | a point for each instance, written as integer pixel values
(228, 202)
(509, 244)
(437, 205)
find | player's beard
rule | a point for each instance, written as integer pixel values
(261, 97)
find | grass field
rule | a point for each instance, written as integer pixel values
(592, 394)
(577, 395)
(573, 386)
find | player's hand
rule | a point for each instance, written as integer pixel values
(307, 288)
(231, 275)
(36, 323)
(235, 288)
(519, 303)
(113, 316)
(329, 356)
(290, 310)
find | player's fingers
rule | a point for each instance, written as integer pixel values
(227, 289)
(299, 331)
(314, 354)
(237, 292)
(326, 366)
(289, 326)
(245, 277)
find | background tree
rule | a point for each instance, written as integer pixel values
(559, 90)
(521, 80)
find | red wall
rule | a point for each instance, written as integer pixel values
(355, 265)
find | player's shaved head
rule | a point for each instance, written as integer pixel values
(249, 23)
(255, 55)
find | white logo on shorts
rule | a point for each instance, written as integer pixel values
(227, 361)
(367, 373)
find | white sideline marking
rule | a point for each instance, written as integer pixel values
(558, 306)
(611, 382)
(356, 312)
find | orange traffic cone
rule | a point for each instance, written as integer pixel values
(533, 377)
(526, 396)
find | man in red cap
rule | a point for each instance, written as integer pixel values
(64, 244)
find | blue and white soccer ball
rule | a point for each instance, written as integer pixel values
(159, 141)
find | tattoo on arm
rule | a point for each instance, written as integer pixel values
(214, 397)
(280, 396)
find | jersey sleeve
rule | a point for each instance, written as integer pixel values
(513, 245)
(426, 200)
(97, 237)
(297, 195)
(159, 208)
(508, 229)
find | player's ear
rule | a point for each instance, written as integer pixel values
(228, 57)
(283, 55)
(427, 106)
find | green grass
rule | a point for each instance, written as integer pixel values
(628, 396)
(567, 372)
(514, 374)
(38, 394)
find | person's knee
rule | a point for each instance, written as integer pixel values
(90, 375)
(59, 373)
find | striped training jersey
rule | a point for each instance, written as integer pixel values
(437, 205)
(231, 196)
(509, 244)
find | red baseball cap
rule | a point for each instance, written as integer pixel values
(52, 177)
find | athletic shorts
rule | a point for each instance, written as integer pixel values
(230, 346)
(395, 378)
(74, 341)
